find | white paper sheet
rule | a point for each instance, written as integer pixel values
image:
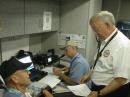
(48, 69)
(50, 80)
(60, 89)
(47, 20)
(80, 90)
(80, 39)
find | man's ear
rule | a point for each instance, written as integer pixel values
(14, 78)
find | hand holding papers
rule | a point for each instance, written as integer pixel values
(80, 90)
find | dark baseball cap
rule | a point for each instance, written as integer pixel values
(10, 66)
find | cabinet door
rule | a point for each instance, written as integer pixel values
(11, 17)
(54, 7)
(34, 15)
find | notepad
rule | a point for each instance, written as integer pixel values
(80, 90)
(50, 80)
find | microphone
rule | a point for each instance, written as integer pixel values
(61, 56)
(58, 59)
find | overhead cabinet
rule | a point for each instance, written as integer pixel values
(19, 17)
(11, 17)
(34, 14)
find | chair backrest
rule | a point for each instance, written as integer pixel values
(124, 27)
(2, 92)
(2, 86)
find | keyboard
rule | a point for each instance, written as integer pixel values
(36, 75)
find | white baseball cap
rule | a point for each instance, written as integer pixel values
(70, 43)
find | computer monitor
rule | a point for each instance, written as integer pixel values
(49, 59)
(27, 59)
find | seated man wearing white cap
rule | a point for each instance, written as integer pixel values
(78, 65)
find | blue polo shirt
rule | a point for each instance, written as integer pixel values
(79, 67)
(10, 92)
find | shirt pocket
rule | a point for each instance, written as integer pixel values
(106, 60)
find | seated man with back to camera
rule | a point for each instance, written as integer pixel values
(16, 77)
(78, 65)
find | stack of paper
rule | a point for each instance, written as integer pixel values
(80, 90)
(60, 89)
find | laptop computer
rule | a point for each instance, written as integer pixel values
(35, 74)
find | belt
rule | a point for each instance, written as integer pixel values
(97, 87)
(123, 91)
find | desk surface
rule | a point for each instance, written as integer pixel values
(66, 94)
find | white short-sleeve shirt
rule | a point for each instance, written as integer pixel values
(114, 61)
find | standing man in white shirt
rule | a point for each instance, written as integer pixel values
(110, 73)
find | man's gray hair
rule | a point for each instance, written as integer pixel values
(106, 16)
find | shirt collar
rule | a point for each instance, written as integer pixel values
(17, 92)
(106, 40)
(71, 63)
(75, 56)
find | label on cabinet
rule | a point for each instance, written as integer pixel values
(47, 20)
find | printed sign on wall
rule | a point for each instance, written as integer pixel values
(80, 39)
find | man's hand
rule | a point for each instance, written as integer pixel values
(85, 78)
(113, 86)
(47, 94)
(93, 94)
(57, 71)
(65, 69)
